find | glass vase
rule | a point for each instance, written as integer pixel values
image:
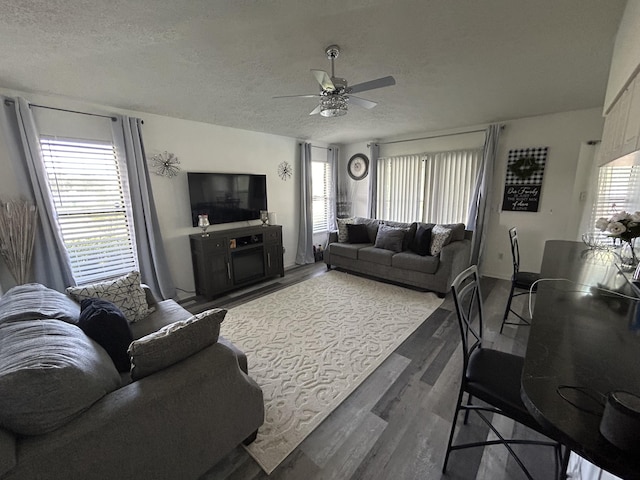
(628, 257)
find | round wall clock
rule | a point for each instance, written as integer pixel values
(358, 166)
(285, 170)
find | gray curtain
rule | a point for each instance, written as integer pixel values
(51, 266)
(374, 153)
(154, 269)
(333, 157)
(478, 210)
(304, 254)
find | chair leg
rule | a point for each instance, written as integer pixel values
(453, 429)
(508, 309)
(466, 413)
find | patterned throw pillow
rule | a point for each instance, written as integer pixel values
(343, 233)
(440, 236)
(125, 292)
(174, 342)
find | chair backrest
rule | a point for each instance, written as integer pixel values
(467, 298)
(515, 249)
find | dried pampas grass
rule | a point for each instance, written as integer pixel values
(18, 223)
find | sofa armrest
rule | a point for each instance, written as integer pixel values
(333, 237)
(151, 299)
(7, 451)
(198, 410)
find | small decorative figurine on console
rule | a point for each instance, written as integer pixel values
(203, 223)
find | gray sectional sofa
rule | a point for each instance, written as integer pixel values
(176, 422)
(429, 272)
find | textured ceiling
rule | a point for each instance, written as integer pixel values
(456, 62)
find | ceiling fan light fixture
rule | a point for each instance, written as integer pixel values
(333, 105)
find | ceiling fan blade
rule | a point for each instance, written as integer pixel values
(315, 110)
(372, 84)
(324, 80)
(361, 102)
(311, 95)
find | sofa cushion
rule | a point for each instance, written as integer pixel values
(124, 291)
(343, 233)
(440, 236)
(372, 226)
(50, 372)
(457, 231)
(102, 321)
(376, 255)
(174, 342)
(166, 312)
(34, 301)
(421, 243)
(348, 250)
(390, 238)
(409, 228)
(357, 233)
(415, 263)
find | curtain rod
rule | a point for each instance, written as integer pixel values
(316, 146)
(432, 136)
(113, 119)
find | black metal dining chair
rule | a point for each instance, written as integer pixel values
(489, 375)
(521, 283)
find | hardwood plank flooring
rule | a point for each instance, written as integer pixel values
(396, 424)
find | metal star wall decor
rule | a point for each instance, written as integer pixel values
(166, 164)
(285, 170)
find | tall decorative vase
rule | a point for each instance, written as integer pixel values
(628, 257)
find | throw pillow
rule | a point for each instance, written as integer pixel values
(390, 238)
(50, 372)
(174, 342)
(125, 292)
(357, 233)
(457, 231)
(422, 241)
(343, 233)
(372, 227)
(409, 236)
(440, 236)
(34, 301)
(102, 321)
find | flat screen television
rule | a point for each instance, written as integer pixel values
(227, 197)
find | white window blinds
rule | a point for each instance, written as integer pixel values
(429, 187)
(617, 191)
(321, 186)
(91, 199)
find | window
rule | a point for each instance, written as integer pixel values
(430, 187)
(322, 188)
(617, 185)
(91, 199)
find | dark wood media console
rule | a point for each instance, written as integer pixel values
(229, 259)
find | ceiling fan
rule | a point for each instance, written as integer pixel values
(335, 93)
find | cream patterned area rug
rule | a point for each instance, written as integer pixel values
(311, 344)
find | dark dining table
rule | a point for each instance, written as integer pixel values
(583, 344)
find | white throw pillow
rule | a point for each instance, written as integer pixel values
(125, 292)
(440, 236)
(343, 233)
(174, 342)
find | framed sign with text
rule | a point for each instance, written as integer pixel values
(525, 170)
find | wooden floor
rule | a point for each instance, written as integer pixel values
(396, 424)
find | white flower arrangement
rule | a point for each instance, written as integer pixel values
(622, 225)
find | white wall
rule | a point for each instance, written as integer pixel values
(565, 134)
(199, 147)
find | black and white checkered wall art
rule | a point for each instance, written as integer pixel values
(523, 183)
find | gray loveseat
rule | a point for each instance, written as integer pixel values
(429, 272)
(174, 423)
